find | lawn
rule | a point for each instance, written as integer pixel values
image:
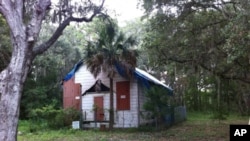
(198, 127)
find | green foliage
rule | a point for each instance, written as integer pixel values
(5, 44)
(199, 126)
(49, 117)
(43, 85)
(70, 115)
(220, 115)
(110, 46)
(158, 103)
(197, 43)
(39, 91)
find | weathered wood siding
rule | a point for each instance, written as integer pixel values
(123, 119)
(71, 94)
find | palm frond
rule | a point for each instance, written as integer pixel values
(119, 39)
(94, 65)
(130, 42)
(110, 47)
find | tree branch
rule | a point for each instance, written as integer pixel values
(44, 46)
(4, 7)
(12, 10)
(35, 23)
(224, 75)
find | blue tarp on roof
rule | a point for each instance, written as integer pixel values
(73, 71)
(145, 78)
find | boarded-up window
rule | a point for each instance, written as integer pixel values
(123, 95)
(71, 94)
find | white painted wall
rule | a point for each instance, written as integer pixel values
(123, 119)
(129, 118)
(88, 102)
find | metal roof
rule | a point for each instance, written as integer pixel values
(151, 78)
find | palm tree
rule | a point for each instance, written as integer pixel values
(111, 47)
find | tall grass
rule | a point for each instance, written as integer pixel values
(208, 117)
(198, 127)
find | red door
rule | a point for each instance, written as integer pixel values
(98, 107)
(123, 95)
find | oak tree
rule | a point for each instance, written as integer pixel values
(24, 18)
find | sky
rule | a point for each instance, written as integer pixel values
(126, 10)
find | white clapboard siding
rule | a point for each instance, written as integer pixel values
(123, 119)
(86, 79)
(129, 118)
(88, 102)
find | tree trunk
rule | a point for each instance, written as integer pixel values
(23, 36)
(219, 110)
(111, 111)
(12, 78)
(11, 85)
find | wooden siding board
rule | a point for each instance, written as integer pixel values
(88, 102)
(123, 95)
(71, 91)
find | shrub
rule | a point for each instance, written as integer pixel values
(70, 115)
(54, 118)
(158, 104)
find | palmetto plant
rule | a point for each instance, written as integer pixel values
(111, 47)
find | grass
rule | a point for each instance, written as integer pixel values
(198, 127)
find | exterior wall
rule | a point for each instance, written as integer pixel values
(87, 108)
(123, 119)
(129, 118)
(71, 94)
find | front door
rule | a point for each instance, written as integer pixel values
(98, 108)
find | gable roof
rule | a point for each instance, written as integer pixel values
(145, 78)
(103, 88)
